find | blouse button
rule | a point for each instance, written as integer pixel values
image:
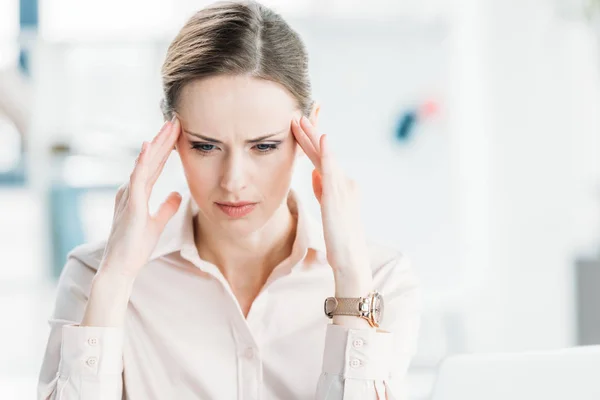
(357, 343)
(249, 353)
(92, 341)
(91, 361)
(355, 363)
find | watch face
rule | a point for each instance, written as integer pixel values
(377, 308)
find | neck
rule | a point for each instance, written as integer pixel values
(247, 262)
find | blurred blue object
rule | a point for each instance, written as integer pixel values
(15, 176)
(66, 221)
(406, 125)
(28, 22)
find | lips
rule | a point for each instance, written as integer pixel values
(237, 210)
(238, 204)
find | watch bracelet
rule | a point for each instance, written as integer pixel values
(348, 306)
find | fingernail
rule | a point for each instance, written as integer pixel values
(174, 118)
(306, 120)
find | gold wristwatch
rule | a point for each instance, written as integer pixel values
(369, 307)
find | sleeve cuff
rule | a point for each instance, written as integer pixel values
(358, 353)
(90, 350)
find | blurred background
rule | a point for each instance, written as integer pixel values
(472, 127)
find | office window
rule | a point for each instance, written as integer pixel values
(9, 29)
(115, 19)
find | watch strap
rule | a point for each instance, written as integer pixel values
(348, 306)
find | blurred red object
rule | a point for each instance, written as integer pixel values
(429, 108)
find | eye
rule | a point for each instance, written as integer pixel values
(203, 147)
(266, 147)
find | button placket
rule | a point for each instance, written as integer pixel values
(251, 366)
(356, 350)
(93, 358)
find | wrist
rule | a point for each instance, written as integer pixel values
(114, 270)
(353, 283)
(108, 300)
(351, 322)
(107, 276)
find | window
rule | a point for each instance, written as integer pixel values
(9, 29)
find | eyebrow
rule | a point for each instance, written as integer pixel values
(255, 140)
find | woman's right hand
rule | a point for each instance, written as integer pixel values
(134, 232)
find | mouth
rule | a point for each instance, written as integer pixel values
(238, 204)
(236, 210)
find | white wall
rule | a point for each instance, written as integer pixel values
(539, 88)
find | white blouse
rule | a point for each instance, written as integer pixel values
(185, 336)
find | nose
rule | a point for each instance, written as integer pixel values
(233, 179)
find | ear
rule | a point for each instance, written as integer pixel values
(176, 145)
(314, 114)
(317, 184)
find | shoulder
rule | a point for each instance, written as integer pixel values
(395, 279)
(75, 281)
(89, 254)
(81, 266)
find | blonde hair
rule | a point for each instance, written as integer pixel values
(236, 38)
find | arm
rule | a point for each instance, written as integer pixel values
(367, 363)
(84, 361)
(84, 354)
(359, 363)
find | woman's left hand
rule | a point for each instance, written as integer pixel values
(338, 196)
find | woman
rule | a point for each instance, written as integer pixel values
(221, 295)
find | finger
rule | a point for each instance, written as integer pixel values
(142, 150)
(138, 176)
(303, 138)
(327, 162)
(304, 142)
(165, 145)
(167, 209)
(140, 164)
(162, 133)
(158, 170)
(164, 152)
(160, 139)
(120, 192)
(175, 129)
(311, 132)
(166, 149)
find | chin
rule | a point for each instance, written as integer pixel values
(241, 226)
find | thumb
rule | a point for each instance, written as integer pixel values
(317, 184)
(167, 209)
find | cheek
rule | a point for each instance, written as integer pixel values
(286, 155)
(279, 167)
(277, 163)
(201, 172)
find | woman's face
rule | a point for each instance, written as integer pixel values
(236, 145)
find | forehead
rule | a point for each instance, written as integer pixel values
(235, 106)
